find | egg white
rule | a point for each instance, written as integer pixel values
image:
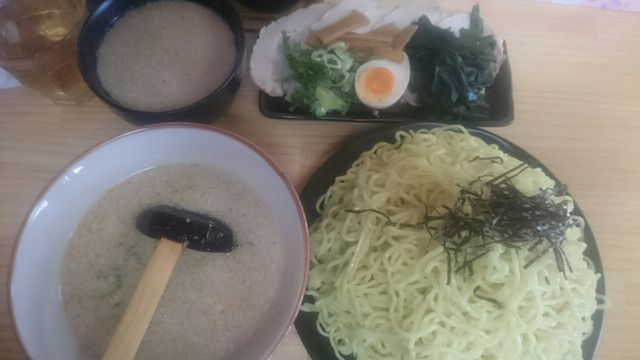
(401, 73)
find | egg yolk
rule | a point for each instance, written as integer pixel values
(378, 82)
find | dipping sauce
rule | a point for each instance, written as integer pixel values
(213, 303)
(166, 55)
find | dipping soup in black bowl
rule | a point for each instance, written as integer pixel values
(163, 60)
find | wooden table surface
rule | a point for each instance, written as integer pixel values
(576, 76)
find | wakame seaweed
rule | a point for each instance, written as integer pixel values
(449, 73)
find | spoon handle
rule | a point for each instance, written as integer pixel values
(143, 302)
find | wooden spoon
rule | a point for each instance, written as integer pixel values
(176, 228)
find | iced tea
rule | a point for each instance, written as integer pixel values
(38, 46)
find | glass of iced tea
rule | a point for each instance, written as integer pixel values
(38, 46)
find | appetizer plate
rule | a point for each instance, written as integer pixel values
(317, 345)
(499, 97)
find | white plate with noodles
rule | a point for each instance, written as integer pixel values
(433, 242)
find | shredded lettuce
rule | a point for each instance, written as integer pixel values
(324, 77)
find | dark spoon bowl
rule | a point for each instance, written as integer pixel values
(205, 110)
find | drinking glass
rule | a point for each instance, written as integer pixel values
(38, 46)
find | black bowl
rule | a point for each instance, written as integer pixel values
(98, 24)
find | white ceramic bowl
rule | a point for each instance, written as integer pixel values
(35, 276)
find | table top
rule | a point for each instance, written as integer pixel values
(576, 78)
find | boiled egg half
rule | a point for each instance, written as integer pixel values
(380, 83)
